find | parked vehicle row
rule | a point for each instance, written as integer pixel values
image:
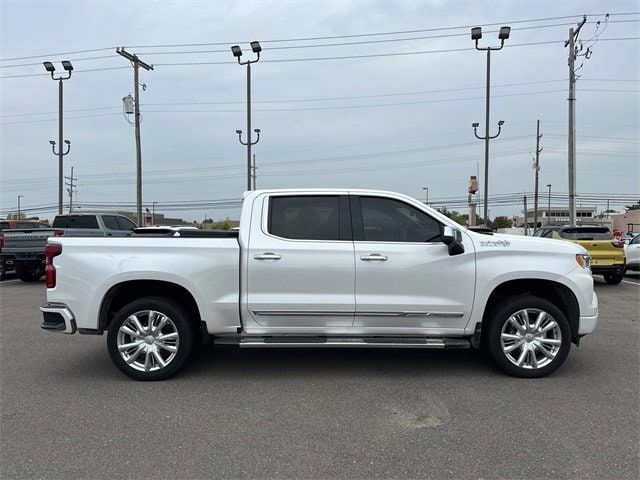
(22, 245)
(323, 268)
(7, 262)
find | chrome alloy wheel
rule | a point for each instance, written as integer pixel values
(148, 340)
(531, 338)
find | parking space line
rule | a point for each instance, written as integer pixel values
(632, 283)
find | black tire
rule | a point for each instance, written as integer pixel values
(180, 324)
(29, 273)
(613, 278)
(493, 331)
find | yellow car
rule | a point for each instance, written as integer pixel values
(607, 253)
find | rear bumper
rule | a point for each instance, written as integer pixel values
(635, 266)
(57, 317)
(615, 269)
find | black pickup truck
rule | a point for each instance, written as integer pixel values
(22, 247)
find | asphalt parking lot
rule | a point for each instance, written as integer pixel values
(68, 413)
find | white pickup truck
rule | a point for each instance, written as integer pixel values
(323, 268)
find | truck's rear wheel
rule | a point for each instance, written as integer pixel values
(29, 273)
(613, 278)
(150, 338)
(528, 336)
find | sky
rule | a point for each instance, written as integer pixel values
(393, 111)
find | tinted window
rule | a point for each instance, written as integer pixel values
(4, 225)
(125, 223)
(636, 240)
(539, 233)
(305, 217)
(548, 234)
(75, 221)
(61, 221)
(587, 233)
(27, 225)
(110, 222)
(388, 220)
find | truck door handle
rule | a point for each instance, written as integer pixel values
(374, 257)
(267, 256)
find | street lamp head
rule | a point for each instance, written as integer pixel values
(500, 123)
(239, 132)
(237, 51)
(475, 124)
(476, 33)
(66, 64)
(255, 46)
(48, 66)
(504, 33)
(51, 142)
(67, 142)
(257, 130)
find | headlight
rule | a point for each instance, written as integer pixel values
(583, 260)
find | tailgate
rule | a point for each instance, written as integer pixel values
(602, 252)
(26, 241)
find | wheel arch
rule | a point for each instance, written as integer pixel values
(555, 292)
(125, 292)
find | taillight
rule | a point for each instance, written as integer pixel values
(1, 241)
(58, 233)
(51, 250)
(618, 244)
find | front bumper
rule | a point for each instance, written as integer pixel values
(588, 322)
(57, 318)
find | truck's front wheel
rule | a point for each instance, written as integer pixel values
(528, 336)
(150, 338)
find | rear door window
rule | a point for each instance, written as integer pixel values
(305, 217)
(587, 233)
(83, 221)
(4, 225)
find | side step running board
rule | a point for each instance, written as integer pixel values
(342, 342)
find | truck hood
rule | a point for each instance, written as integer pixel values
(521, 243)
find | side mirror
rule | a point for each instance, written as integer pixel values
(448, 235)
(453, 239)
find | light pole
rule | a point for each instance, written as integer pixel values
(427, 197)
(549, 204)
(153, 213)
(237, 53)
(476, 34)
(19, 216)
(48, 66)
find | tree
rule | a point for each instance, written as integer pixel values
(501, 222)
(461, 218)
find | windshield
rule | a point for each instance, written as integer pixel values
(589, 233)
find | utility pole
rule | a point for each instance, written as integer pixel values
(526, 228)
(237, 53)
(19, 214)
(49, 67)
(537, 169)
(153, 213)
(427, 195)
(70, 189)
(476, 35)
(573, 53)
(137, 63)
(254, 173)
(549, 205)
